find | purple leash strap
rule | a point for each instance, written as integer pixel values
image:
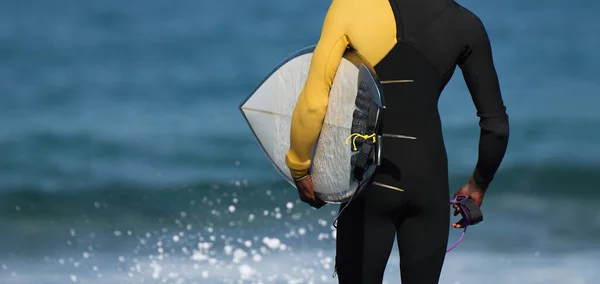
(456, 201)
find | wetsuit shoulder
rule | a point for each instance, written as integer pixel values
(470, 25)
(309, 112)
(354, 23)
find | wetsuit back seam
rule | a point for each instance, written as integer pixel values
(439, 76)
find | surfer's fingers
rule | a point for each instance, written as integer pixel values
(312, 202)
(307, 198)
(302, 194)
(319, 203)
(307, 193)
(459, 224)
(456, 209)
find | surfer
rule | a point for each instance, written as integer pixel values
(414, 47)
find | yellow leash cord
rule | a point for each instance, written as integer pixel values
(353, 136)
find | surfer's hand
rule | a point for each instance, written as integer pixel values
(474, 192)
(307, 192)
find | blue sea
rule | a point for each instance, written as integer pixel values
(124, 157)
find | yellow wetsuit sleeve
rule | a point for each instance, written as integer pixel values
(311, 107)
(368, 27)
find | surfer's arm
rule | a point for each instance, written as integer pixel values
(481, 79)
(309, 112)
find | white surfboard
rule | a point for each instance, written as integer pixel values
(355, 106)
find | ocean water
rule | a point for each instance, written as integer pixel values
(124, 158)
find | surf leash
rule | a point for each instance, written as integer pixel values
(471, 214)
(353, 136)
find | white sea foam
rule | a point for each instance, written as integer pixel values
(316, 266)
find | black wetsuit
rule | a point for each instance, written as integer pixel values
(414, 46)
(434, 36)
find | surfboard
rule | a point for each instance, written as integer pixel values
(356, 104)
